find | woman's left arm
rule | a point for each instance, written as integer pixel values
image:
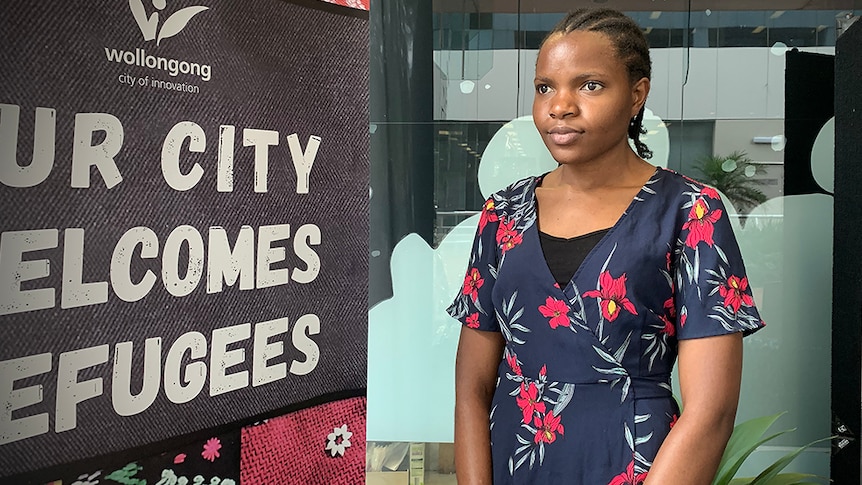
(710, 372)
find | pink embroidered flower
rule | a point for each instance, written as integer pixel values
(700, 224)
(629, 477)
(472, 282)
(507, 236)
(557, 311)
(547, 428)
(734, 293)
(529, 401)
(709, 192)
(179, 458)
(488, 215)
(211, 449)
(512, 360)
(612, 295)
(473, 320)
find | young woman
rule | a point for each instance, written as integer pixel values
(586, 283)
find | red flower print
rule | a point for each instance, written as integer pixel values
(709, 192)
(547, 427)
(211, 449)
(700, 224)
(669, 329)
(179, 458)
(512, 360)
(670, 307)
(734, 293)
(543, 371)
(683, 316)
(612, 293)
(529, 402)
(629, 477)
(667, 261)
(473, 320)
(557, 311)
(472, 282)
(507, 236)
(673, 420)
(488, 215)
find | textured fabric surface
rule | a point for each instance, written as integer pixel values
(274, 66)
(359, 4)
(291, 449)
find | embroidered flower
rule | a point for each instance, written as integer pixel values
(557, 311)
(547, 428)
(529, 401)
(211, 448)
(507, 236)
(179, 458)
(488, 215)
(338, 441)
(472, 282)
(473, 320)
(734, 293)
(629, 477)
(700, 224)
(612, 295)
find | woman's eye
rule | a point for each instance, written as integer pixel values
(592, 86)
(542, 88)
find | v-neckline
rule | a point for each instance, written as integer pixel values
(623, 217)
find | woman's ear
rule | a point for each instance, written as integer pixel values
(640, 91)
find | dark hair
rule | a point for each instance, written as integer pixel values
(631, 46)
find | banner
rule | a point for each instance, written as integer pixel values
(184, 190)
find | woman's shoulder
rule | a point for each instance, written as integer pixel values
(516, 193)
(675, 185)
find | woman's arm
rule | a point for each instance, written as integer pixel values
(479, 355)
(710, 371)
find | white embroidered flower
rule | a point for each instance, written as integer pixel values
(338, 440)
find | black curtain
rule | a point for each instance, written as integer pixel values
(847, 262)
(402, 143)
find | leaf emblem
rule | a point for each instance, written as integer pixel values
(176, 22)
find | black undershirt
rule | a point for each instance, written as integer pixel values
(564, 256)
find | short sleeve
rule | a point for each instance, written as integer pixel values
(473, 306)
(712, 292)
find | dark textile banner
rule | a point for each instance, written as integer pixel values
(184, 190)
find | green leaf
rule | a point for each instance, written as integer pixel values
(746, 438)
(782, 479)
(766, 475)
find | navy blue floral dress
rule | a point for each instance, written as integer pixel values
(584, 393)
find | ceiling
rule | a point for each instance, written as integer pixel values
(557, 6)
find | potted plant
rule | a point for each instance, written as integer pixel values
(734, 176)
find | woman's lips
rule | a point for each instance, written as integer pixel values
(562, 135)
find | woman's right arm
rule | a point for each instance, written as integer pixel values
(479, 355)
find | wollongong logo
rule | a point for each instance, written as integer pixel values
(149, 24)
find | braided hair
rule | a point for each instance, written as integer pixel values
(631, 46)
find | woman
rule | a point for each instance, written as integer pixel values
(584, 285)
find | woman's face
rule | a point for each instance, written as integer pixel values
(584, 99)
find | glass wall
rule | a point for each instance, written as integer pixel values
(741, 99)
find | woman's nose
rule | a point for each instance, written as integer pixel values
(562, 106)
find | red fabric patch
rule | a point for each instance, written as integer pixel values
(292, 448)
(359, 4)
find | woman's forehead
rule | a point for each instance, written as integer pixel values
(579, 49)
